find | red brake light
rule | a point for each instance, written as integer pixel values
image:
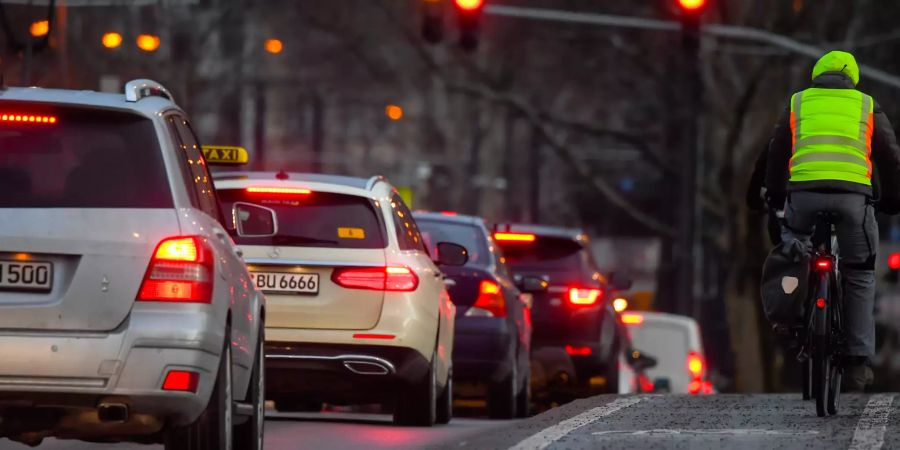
(823, 264)
(646, 384)
(373, 336)
(449, 213)
(514, 237)
(632, 319)
(694, 387)
(584, 297)
(695, 365)
(26, 118)
(469, 5)
(180, 271)
(578, 350)
(181, 380)
(393, 278)
(490, 300)
(894, 261)
(278, 191)
(820, 303)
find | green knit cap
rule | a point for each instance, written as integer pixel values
(837, 61)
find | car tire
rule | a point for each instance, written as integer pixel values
(296, 405)
(213, 429)
(445, 401)
(417, 402)
(611, 370)
(523, 398)
(250, 434)
(501, 399)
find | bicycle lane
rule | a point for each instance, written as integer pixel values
(711, 422)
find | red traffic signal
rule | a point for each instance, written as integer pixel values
(687, 5)
(469, 5)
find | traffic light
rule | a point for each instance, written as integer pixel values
(468, 13)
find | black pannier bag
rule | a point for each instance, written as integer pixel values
(785, 283)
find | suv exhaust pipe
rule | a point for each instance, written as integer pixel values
(367, 367)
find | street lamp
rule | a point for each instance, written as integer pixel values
(274, 46)
(39, 28)
(111, 40)
(148, 42)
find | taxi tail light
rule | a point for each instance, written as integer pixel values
(181, 270)
(695, 387)
(390, 278)
(181, 380)
(696, 366)
(490, 301)
(584, 297)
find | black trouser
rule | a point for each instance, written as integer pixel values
(857, 236)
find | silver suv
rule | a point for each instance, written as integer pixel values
(126, 311)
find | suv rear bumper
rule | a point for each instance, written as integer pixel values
(340, 373)
(74, 372)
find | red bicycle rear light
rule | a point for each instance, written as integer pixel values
(894, 261)
(181, 380)
(574, 350)
(584, 297)
(514, 237)
(823, 264)
(180, 271)
(393, 278)
(820, 303)
(26, 118)
(490, 301)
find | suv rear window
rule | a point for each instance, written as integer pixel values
(317, 219)
(76, 157)
(547, 253)
(469, 236)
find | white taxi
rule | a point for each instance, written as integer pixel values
(357, 310)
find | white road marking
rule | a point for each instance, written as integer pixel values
(870, 429)
(549, 435)
(665, 432)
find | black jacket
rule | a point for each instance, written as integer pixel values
(885, 157)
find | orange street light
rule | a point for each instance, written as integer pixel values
(274, 46)
(393, 112)
(148, 42)
(40, 28)
(112, 40)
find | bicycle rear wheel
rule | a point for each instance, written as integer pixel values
(834, 389)
(821, 362)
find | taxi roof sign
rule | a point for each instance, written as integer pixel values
(225, 154)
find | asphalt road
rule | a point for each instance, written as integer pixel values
(324, 431)
(783, 422)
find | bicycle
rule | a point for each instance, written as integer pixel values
(823, 335)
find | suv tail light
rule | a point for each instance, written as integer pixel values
(181, 270)
(584, 297)
(391, 278)
(490, 301)
(695, 364)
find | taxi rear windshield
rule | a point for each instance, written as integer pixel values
(313, 219)
(75, 157)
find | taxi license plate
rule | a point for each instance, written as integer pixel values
(286, 283)
(26, 275)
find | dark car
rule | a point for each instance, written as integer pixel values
(493, 323)
(574, 312)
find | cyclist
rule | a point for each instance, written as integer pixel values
(821, 160)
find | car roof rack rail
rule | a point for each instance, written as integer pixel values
(142, 88)
(373, 181)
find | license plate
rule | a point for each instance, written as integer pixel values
(26, 275)
(286, 283)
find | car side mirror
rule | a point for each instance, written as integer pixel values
(253, 220)
(450, 254)
(531, 284)
(641, 361)
(619, 282)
